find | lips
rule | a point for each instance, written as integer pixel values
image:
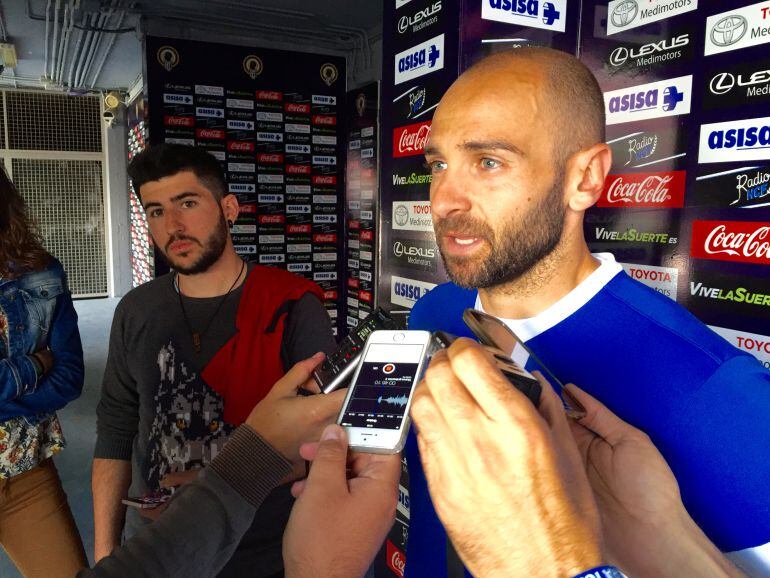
(180, 245)
(458, 245)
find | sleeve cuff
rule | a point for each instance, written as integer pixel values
(108, 448)
(250, 465)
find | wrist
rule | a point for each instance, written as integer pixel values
(37, 364)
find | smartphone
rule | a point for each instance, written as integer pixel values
(338, 367)
(146, 502)
(501, 340)
(376, 410)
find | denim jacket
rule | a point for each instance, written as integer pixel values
(39, 310)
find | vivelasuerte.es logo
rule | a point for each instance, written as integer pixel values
(419, 60)
(548, 15)
(741, 295)
(421, 19)
(652, 100)
(653, 53)
(740, 241)
(411, 179)
(633, 235)
(736, 140)
(406, 292)
(662, 279)
(624, 15)
(738, 28)
(661, 190)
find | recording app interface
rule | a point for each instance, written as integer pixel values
(382, 388)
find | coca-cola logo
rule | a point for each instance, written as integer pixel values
(269, 158)
(395, 559)
(410, 140)
(353, 224)
(330, 295)
(324, 180)
(324, 119)
(298, 169)
(295, 229)
(644, 190)
(300, 108)
(747, 242)
(271, 219)
(209, 133)
(240, 146)
(325, 238)
(354, 283)
(269, 95)
(178, 121)
(365, 296)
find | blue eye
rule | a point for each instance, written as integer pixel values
(489, 163)
(436, 166)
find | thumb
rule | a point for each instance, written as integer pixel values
(330, 463)
(296, 377)
(599, 419)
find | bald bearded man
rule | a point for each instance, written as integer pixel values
(517, 155)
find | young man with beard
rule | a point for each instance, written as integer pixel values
(192, 352)
(517, 155)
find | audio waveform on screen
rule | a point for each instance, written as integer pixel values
(399, 400)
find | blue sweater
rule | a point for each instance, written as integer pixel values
(704, 403)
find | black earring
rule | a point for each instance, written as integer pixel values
(230, 223)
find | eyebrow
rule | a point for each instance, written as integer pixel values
(486, 145)
(174, 199)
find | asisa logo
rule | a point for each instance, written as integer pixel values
(530, 13)
(653, 100)
(420, 60)
(737, 140)
(406, 292)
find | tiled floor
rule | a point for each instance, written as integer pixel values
(79, 422)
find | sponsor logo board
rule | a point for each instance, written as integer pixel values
(738, 241)
(421, 19)
(735, 140)
(738, 85)
(548, 15)
(739, 28)
(415, 254)
(410, 140)
(755, 344)
(405, 292)
(650, 190)
(420, 60)
(743, 188)
(624, 15)
(662, 279)
(662, 98)
(412, 216)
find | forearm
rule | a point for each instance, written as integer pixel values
(223, 500)
(109, 483)
(17, 378)
(693, 554)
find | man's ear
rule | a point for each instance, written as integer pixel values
(588, 169)
(230, 207)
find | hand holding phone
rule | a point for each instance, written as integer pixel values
(376, 409)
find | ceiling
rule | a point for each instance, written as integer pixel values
(96, 44)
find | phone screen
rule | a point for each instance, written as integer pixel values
(383, 386)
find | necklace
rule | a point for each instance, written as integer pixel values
(196, 335)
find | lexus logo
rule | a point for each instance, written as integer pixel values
(722, 83)
(619, 56)
(403, 24)
(624, 13)
(729, 30)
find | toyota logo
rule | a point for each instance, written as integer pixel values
(624, 13)
(729, 30)
(619, 56)
(401, 215)
(722, 83)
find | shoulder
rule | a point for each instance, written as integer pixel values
(145, 296)
(442, 309)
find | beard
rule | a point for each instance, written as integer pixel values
(213, 247)
(515, 246)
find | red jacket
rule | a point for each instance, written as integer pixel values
(248, 365)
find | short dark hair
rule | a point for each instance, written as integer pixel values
(166, 159)
(571, 91)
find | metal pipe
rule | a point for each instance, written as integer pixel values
(68, 33)
(92, 51)
(54, 44)
(47, 11)
(60, 51)
(76, 53)
(86, 48)
(107, 51)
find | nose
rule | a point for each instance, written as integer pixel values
(172, 222)
(449, 194)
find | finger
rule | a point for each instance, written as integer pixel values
(311, 385)
(296, 376)
(323, 409)
(330, 463)
(297, 488)
(385, 468)
(449, 394)
(428, 420)
(599, 419)
(491, 391)
(307, 451)
(551, 407)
